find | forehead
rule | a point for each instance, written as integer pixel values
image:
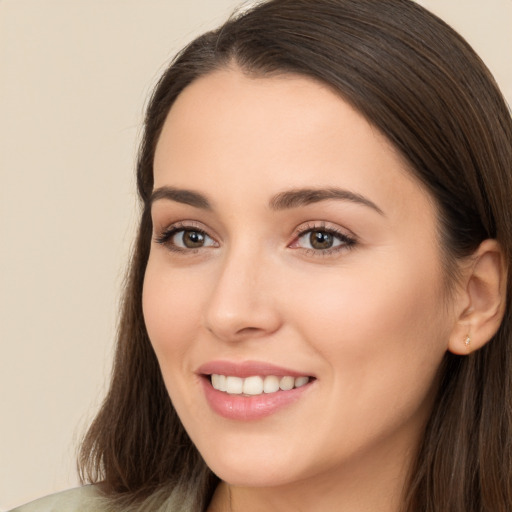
(255, 134)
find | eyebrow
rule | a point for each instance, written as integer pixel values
(306, 196)
(282, 201)
(180, 196)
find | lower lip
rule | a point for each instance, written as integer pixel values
(250, 408)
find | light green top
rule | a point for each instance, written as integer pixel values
(88, 499)
(81, 499)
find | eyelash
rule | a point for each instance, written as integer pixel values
(166, 236)
(347, 242)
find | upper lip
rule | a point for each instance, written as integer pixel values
(247, 369)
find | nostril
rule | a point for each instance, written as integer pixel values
(249, 330)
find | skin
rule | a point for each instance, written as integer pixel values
(370, 320)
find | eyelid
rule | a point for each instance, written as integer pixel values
(163, 235)
(348, 238)
(323, 225)
(180, 224)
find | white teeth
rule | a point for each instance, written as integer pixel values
(219, 382)
(234, 385)
(301, 381)
(256, 385)
(286, 383)
(271, 384)
(253, 386)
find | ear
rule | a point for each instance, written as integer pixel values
(483, 299)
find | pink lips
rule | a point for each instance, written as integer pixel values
(248, 408)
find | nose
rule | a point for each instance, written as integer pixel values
(243, 301)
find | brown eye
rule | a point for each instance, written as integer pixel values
(191, 239)
(321, 240)
(183, 239)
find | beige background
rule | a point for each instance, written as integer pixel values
(74, 77)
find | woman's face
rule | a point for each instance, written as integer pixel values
(290, 240)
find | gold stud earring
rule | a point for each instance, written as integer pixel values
(467, 340)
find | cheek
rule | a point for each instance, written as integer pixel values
(383, 339)
(371, 304)
(170, 308)
(380, 329)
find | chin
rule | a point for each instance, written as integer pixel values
(257, 469)
(262, 476)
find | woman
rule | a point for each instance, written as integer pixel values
(320, 281)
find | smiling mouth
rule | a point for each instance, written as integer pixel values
(256, 385)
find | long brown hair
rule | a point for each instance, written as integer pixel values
(421, 85)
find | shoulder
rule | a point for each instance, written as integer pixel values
(81, 499)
